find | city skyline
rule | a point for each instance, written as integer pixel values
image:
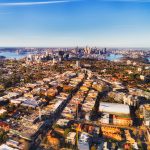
(102, 23)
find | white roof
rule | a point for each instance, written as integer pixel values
(15, 101)
(84, 136)
(62, 121)
(114, 108)
(2, 111)
(57, 105)
(6, 147)
(71, 135)
(1, 98)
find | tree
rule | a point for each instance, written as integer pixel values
(26, 145)
(93, 148)
(66, 132)
(3, 136)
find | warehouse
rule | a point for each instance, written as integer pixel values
(114, 108)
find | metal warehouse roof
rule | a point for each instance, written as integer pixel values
(114, 108)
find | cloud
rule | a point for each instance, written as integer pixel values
(34, 3)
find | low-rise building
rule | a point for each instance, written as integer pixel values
(105, 118)
(12, 143)
(6, 147)
(71, 138)
(62, 122)
(122, 120)
(4, 126)
(148, 134)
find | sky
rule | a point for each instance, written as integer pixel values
(67, 23)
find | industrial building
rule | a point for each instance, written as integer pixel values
(114, 108)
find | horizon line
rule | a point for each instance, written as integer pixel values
(74, 46)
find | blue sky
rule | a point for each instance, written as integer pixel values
(46, 23)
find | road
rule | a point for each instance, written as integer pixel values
(47, 125)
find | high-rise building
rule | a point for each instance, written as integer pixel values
(87, 50)
(104, 51)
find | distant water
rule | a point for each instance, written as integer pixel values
(13, 55)
(113, 57)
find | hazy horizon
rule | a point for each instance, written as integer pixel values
(134, 48)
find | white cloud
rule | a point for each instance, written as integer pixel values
(33, 3)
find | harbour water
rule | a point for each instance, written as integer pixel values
(13, 55)
(114, 57)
